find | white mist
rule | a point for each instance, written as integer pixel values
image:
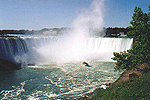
(72, 47)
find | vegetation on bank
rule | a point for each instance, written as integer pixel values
(137, 88)
(140, 52)
(134, 89)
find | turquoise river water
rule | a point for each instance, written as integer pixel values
(55, 80)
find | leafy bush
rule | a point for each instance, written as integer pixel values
(124, 60)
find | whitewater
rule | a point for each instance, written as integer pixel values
(52, 66)
(53, 76)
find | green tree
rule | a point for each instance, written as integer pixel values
(140, 32)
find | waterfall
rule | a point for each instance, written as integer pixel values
(47, 49)
(14, 49)
(102, 48)
(38, 50)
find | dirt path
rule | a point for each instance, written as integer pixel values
(126, 75)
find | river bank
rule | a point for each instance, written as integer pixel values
(132, 84)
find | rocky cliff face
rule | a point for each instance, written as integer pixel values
(8, 65)
(12, 52)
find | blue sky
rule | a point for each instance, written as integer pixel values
(38, 14)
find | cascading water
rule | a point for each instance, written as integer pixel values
(58, 72)
(45, 50)
(55, 49)
(14, 49)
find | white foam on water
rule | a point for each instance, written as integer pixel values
(66, 79)
(70, 81)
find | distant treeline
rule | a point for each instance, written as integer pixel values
(3, 32)
(110, 31)
(51, 30)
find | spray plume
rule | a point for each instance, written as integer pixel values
(72, 47)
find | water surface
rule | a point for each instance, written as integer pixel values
(55, 80)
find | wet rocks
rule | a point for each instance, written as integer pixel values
(8, 65)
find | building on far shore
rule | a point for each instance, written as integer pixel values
(50, 32)
(116, 32)
(122, 34)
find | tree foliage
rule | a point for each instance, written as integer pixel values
(140, 52)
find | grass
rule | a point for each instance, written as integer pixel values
(134, 89)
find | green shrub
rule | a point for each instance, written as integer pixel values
(140, 32)
(124, 60)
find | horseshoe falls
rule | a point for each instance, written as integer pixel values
(54, 49)
(54, 66)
